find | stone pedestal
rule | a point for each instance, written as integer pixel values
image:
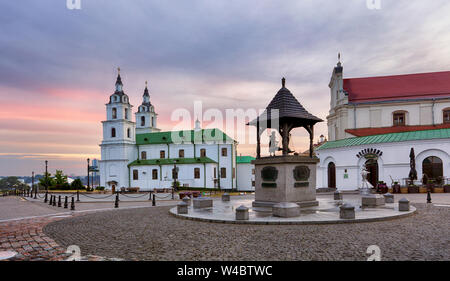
(337, 195)
(202, 202)
(403, 205)
(286, 210)
(182, 208)
(225, 197)
(242, 213)
(187, 200)
(347, 212)
(372, 201)
(388, 198)
(285, 179)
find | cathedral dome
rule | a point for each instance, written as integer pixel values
(119, 96)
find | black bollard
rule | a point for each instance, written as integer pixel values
(116, 203)
(78, 196)
(428, 196)
(149, 195)
(35, 193)
(50, 202)
(65, 203)
(153, 200)
(46, 199)
(72, 204)
(54, 200)
(59, 201)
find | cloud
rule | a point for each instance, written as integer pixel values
(58, 66)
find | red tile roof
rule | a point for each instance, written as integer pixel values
(397, 129)
(398, 87)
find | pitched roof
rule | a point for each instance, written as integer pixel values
(244, 159)
(189, 136)
(396, 129)
(388, 138)
(171, 161)
(398, 87)
(288, 108)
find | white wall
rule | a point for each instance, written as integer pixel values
(394, 161)
(245, 177)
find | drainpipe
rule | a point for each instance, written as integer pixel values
(204, 175)
(432, 111)
(354, 116)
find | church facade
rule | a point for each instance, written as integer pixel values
(374, 122)
(138, 154)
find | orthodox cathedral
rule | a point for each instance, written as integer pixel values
(138, 154)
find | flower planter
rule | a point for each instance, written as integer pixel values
(438, 190)
(413, 189)
(390, 190)
(447, 189)
(422, 189)
(403, 190)
(396, 188)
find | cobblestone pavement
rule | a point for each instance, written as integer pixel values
(152, 234)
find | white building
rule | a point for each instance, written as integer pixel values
(140, 155)
(245, 173)
(375, 121)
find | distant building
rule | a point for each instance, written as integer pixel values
(374, 122)
(245, 173)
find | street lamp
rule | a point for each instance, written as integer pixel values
(175, 177)
(46, 175)
(88, 173)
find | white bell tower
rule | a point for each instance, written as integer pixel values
(119, 138)
(146, 116)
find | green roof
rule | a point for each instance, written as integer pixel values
(244, 159)
(388, 138)
(170, 161)
(205, 135)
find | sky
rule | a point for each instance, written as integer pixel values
(58, 66)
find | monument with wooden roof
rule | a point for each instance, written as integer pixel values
(288, 177)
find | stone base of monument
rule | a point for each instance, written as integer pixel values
(202, 202)
(286, 210)
(372, 200)
(285, 179)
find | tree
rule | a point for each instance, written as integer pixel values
(46, 181)
(77, 184)
(12, 183)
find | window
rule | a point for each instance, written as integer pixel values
(126, 113)
(202, 152)
(114, 113)
(162, 154)
(234, 173)
(224, 151)
(113, 132)
(196, 173)
(446, 116)
(215, 172)
(399, 119)
(128, 132)
(142, 120)
(135, 175)
(253, 183)
(155, 174)
(432, 167)
(253, 171)
(144, 155)
(223, 173)
(181, 153)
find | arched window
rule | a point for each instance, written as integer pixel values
(126, 113)
(181, 153)
(143, 155)
(202, 152)
(446, 115)
(128, 133)
(142, 120)
(114, 113)
(399, 118)
(196, 173)
(432, 167)
(113, 132)
(331, 175)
